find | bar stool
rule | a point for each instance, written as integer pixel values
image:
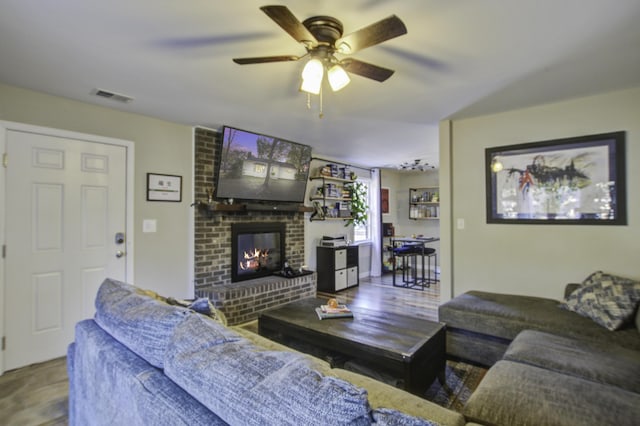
(430, 254)
(409, 255)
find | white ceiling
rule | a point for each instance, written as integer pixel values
(460, 58)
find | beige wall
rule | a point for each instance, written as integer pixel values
(162, 260)
(538, 259)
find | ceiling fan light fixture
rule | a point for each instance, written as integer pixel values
(338, 77)
(343, 48)
(312, 76)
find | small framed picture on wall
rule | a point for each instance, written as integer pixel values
(162, 187)
(384, 200)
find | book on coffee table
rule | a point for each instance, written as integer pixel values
(334, 309)
(333, 312)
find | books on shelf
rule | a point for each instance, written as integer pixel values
(327, 312)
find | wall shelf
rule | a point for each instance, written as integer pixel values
(218, 208)
(424, 203)
(333, 190)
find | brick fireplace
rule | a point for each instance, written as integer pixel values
(240, 301)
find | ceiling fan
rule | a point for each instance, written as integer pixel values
(322, 37)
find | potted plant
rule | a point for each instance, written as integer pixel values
(359, 205)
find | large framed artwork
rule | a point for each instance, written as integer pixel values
(578, 180)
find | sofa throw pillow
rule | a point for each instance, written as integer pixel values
(594, 278)
(608, 300)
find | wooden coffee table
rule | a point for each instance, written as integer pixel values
(407, 348)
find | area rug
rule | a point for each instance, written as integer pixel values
(461, 380)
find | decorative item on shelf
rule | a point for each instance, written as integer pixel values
(319, 211)
(325, 171)
(287, 270)
(210, 195)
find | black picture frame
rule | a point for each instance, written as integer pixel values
(570, 181)
(161, 187)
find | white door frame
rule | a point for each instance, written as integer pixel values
(6, 126)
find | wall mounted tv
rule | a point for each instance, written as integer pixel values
(258, 167)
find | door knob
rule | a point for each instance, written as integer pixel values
(119, 254)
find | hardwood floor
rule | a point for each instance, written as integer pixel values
(38, 394)
(378, 293)
(35, 395)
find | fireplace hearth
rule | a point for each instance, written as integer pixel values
(257, 249)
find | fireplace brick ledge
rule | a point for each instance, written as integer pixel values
(243, 301)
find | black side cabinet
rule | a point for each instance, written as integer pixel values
(337, 268)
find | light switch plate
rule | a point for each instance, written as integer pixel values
(149, 225)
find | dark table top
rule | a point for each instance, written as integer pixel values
(393, 334)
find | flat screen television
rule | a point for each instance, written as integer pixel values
(261, 168)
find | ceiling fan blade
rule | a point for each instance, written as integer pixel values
(373, 34)
(282, 16)
(364, 69)
(265, 59)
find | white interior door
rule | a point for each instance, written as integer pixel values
(65, 201)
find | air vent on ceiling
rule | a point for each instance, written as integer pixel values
(112, 95)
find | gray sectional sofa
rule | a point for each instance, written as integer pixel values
(550, 365)
(142, 361)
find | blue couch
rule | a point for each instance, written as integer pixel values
(142, 361)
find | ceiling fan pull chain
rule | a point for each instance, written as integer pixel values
(321, 111)
(308, 100)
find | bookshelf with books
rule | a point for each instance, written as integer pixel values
(332, 196)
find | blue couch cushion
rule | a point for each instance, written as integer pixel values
(232, 378)
(141, 323)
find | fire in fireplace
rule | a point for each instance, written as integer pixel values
(257, 249)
